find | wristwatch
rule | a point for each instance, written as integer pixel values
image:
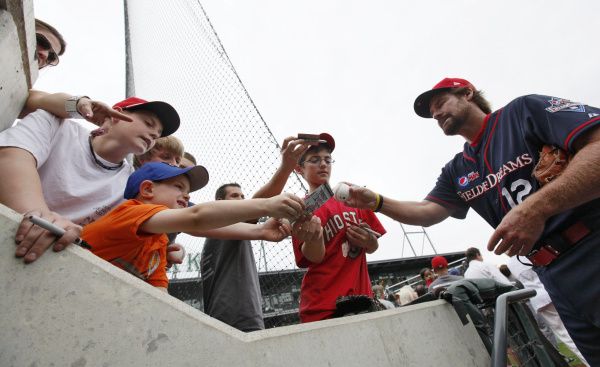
(71, 107)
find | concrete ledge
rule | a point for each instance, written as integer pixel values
(18, 69)
(74, 309)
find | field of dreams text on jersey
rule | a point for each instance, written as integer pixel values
(492, 179)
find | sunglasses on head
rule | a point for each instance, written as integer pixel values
(45, 45)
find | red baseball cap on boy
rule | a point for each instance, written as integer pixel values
(424, 99)
(324, 139)
(328, 140)
(168, 116)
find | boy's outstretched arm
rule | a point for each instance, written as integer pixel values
(291, 151)
(221, 213)
(273, 230)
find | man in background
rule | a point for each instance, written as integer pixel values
(230, 285)
(480, 269)
(439, 264)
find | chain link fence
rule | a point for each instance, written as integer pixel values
(175, 55)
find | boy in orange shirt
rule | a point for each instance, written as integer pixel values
(132, 236)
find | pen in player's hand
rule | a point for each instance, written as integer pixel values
(374, 233)
(55, 230)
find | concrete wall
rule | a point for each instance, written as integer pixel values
(73, 309)
(18, 70)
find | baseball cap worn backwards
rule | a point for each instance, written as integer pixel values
(424, 99)
(168, 116)
(159, 171)
(439, 262)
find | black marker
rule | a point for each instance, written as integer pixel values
(55, 230)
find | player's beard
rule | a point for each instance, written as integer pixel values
(452, 125)
(455, 122)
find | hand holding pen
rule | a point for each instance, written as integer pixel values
(362, 235)
(55, 230)
(33, 240)
(365, 227)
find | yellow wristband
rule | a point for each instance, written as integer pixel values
(377, 202)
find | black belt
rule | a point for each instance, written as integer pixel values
(560, 242)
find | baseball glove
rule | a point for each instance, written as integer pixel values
(353, 305)
(551, 164)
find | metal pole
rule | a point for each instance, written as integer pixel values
(429, 240)
(264, 254)
(408, 239)
(129, 77)
(499, 349)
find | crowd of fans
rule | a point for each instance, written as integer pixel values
(124, 189)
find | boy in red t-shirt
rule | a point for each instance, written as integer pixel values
(132, 236)
(333, 244)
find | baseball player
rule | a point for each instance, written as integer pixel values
(555, 226)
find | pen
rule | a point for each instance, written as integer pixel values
(55, 230)
(374, 233)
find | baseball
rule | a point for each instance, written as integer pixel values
(341, 192)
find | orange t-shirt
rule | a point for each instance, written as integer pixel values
(116, 238)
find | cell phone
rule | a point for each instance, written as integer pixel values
(313, 139)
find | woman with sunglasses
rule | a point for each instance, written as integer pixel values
(49, 44)
(48, 41)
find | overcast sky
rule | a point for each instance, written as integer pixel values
(354, 69)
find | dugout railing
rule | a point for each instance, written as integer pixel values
(504, 322)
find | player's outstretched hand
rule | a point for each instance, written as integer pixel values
(291, 151)
(517, 233)
(175, 254)
(32, 241)
(97, 112)
(308, 230)
(285, 206)
(275, 230)
(360, 197)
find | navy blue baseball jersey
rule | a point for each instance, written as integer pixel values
(493, 173)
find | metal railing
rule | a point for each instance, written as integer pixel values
(499, 357)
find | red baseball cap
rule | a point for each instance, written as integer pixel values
(439, 262)
(328, 140)
(169, 118)
(422, 102)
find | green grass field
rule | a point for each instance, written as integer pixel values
(567, 352)
(575, 362)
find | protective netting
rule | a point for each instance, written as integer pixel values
(175, 55)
